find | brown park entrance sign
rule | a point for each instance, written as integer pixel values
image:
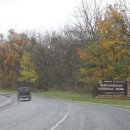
(112, 88)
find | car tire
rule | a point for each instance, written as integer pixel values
(18, 99)
(29, 99)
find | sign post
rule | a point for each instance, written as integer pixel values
(128, 87)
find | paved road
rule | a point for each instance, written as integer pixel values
(51, 114)
(5, 99)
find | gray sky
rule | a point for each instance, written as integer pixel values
(24, 15)
(38, 15)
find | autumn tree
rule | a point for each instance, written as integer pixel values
(11, 49)
(1, 55)
(27, 70)
(107, 55)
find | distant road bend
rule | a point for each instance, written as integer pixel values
(53, 114)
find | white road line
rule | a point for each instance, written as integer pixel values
(59, 122)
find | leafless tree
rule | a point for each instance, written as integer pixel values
(85, 15)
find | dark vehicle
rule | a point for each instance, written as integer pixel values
(24, 93)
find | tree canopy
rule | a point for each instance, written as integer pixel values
(107, 55)
(27, 70)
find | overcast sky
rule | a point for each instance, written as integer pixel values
(38, 15)
(24, 15)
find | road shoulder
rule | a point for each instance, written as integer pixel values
(5, 100)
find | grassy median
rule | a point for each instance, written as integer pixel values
(84, 98)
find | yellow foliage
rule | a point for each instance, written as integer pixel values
(83, 55)
(108, 56)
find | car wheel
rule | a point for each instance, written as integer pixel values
(29, 98)
(18, 99)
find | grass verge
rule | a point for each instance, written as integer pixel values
(83, 98)
(7, 90)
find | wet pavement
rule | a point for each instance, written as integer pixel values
(5, 100)
(53, 114)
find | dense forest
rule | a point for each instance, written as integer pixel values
(96, 47)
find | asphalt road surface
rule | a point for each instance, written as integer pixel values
(52, 114)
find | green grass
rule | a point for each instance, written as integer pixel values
(83, 98)
(7, 90)
(77, 97)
